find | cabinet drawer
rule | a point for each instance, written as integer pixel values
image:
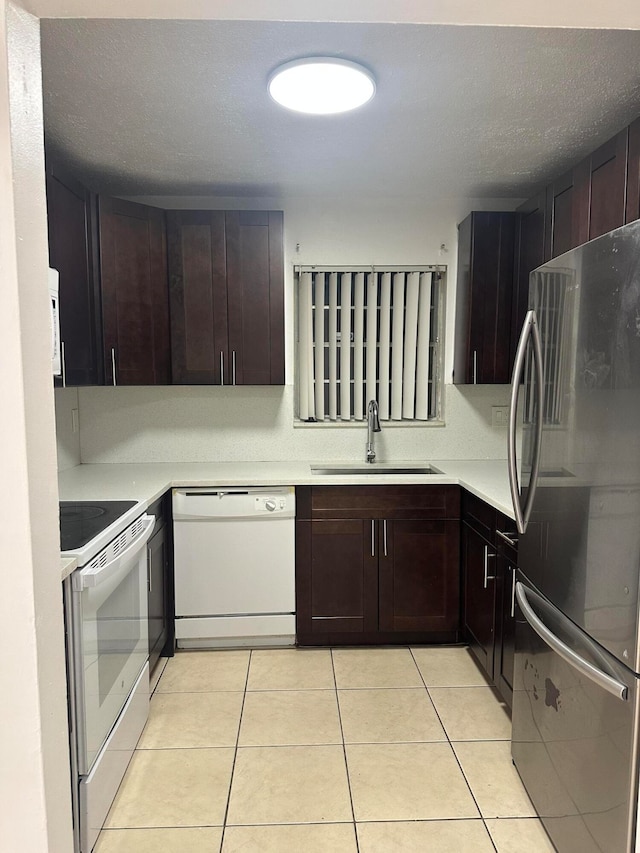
(408, 502)
(507, 526)
(479, 515)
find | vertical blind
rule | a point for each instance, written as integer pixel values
(368, 335)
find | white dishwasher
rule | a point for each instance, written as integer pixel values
(234, 554)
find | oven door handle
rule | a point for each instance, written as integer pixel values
(91, 578)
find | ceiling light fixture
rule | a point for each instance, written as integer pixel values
(321, 85)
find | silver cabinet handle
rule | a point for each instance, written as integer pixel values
(384, 536)
(63, 365)
(475, 367)
(513, 591)
(611, 685)
(511, 540)
(113, 365)
(233, 367)
(487, 576)
(221, 368)
(373, 538)
(529, 328)
(149, 575)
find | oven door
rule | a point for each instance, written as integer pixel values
(111, 635)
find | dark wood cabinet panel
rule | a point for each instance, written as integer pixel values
(419, 575)
(632, 211)
(607, 186)
(377, 576)
(532, 239)
(70, 212)
(568, 210)
(255, 287)
(479, 570)
(504, 646)
(197, 259)
(386, 501)
(135, 298)
(484, 298)
(342, 587)
(226, 274)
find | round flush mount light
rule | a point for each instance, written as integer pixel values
(321, 85)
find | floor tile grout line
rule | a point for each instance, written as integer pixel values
(344, 752)
(449, 741)
(235, 753)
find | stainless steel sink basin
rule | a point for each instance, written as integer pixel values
(373, 469)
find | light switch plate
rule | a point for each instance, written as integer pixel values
(500, 416)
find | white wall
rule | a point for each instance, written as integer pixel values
(35, 811)
(208, 423)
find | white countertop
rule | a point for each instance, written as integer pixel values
(67, 566)
(146, 482)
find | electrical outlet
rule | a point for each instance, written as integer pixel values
(500, 416)
(75, 424)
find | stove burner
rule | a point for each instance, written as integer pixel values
(80, 512)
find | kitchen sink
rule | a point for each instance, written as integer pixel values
(372, 469)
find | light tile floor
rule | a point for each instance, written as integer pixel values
(380, 750)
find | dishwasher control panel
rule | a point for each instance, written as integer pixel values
(270, 503)
(230, 502)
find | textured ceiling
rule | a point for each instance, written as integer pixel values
(180, 107)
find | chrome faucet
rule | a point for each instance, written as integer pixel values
(373, 425)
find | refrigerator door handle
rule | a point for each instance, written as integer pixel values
(529, 329)
(611, 685)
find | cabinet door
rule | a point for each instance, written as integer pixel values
(255, 292)
(336, 576)
(633, 173)
(479, 570)
(484, 299)
(569, 210)
(69, 207)
(135, 297)
(607, 184)
(197, 263)
(532, 227)
(419, 570)
(505, 623)
(157, 568)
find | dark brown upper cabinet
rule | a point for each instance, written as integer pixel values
(135, 297)
(531, 250)
(70, 208)
(632, 211)
(484, 299)
(226, 280)
(607, 176)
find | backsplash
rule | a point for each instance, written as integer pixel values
(207, 424)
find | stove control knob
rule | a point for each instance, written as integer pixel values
(270, 504)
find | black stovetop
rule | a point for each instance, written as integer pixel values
(81, 521)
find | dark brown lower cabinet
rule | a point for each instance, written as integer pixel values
(160, 585)
(479, 563)
(379, 577)
(489, 563)
(504, 646)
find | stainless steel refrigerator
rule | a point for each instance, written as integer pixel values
(576, 493)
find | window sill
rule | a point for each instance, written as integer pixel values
(298, 424)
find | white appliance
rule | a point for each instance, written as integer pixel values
(106, 608)
(234, 552)
(56, 346)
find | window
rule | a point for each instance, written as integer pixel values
(365, 334)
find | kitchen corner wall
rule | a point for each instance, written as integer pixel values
(256, 423)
